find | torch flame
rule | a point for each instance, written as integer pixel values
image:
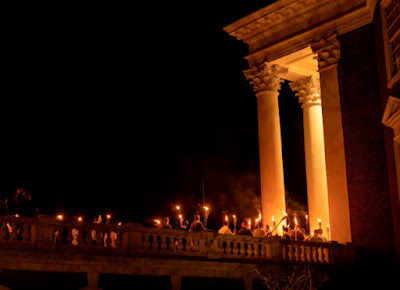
(319, 220)
(284, 212)
(295, 220)
(205, 207)
(60, 217)
(180, 216)
(157, 221)
(80, 219)
(306, 216)
(226, 218)
(273, 218)
(178, 207)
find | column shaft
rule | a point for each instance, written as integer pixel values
(317, 191)
(271, 165)
(335, 156)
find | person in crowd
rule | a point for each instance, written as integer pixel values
(286, 233)
(316, 237)
(225, 230)
(260, 232)
(245, 230)
(268, 231)
(166, 224)
(197, 225)
(24, 204)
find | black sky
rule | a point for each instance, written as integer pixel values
(125, 109)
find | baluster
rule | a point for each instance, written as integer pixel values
(298, 252)
(180, 244)
(25, 233)
(13, 227)
(68, 235)
(3, 231)
(229, 247)
(303, 254)
(91, 237)
(119, 239)
(284, 252)
(108, 240)
(308, 254)
(291, 252)
(268, 254)
(326, 254)
(235, 249)
(314, 254)
(163, 244)
(80, 239)
(320, 254)
(257, 250)
(202, 244)
(74, 236)
(146, 241)
(99, 238)
(263, 251)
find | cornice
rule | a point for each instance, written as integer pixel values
(391, 115)
(289, 25)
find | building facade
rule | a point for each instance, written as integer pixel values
(342, 58)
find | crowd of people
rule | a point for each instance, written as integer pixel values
(260, 231)
(23, 205)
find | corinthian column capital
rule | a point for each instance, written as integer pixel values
(266, 77)
(307, 89)
(327, 50)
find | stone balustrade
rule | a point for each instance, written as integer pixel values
(45, 233)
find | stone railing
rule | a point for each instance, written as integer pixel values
(48, 234)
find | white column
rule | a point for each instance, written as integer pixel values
(266, 80)
(328, 53)
(308, 91)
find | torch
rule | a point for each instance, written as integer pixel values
(282, 219)
(295, 228)
(234, 222)
(307, 230)
(327, 231)
(206, 215)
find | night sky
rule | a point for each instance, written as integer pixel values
(125, 110)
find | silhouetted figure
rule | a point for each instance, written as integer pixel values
(260, 232)
(24, 205)
(166, 224)
(225, 230)
(197, 225)
(245, 230)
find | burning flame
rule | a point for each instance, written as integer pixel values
(226, 218)
(206, 208)
(295, 221)
(178, 207)
(180, 216)
(306, 216)
(60, 217)
(157, 222)
(284, 212)
(80, 219)
(108, 216)
(120, 224)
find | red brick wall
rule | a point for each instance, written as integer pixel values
(369, 199)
